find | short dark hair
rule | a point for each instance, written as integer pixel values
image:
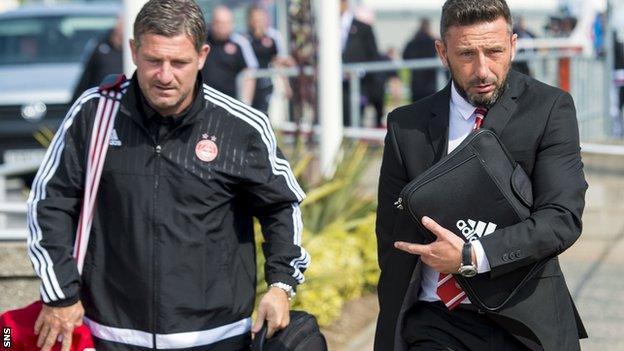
(171, 18)
(468, 12)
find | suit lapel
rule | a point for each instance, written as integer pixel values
(498, 116)
(439, 123)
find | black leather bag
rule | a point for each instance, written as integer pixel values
(472, 191)
(302, 334)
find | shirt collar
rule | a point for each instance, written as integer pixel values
(465, 109)
(345, 23)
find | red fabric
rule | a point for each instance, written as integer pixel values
(22, 327)
(480, 114)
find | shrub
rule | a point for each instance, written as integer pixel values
(339, 222)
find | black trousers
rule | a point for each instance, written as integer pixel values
(430, 326)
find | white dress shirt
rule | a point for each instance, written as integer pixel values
(461, 121)
(345, 27)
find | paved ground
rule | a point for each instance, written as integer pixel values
(593, 266)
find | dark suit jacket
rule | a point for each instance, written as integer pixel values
(423, 82)
(361, 46)
(537, 123)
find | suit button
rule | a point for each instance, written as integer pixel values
(512, 256)
(505, 257)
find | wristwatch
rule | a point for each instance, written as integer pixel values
(290, 292)
(467, 268)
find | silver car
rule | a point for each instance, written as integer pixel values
(40, 63)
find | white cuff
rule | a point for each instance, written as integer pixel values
(483, 265)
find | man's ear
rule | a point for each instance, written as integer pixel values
(203, 53)
(514, 43)
(441, 50)
(133, 50)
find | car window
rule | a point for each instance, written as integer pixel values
(49, 39)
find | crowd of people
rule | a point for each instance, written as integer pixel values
(261, 46)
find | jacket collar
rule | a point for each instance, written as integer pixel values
(439, 122)
(498, 116)
(131, 103)
(496, 119)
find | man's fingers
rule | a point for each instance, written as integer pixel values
(414, 249)
(259, 320)
(285, 321)
(43, 333)
(67, 340)
(272, 328)
(433, 226)
(50, 340)
(38, 323)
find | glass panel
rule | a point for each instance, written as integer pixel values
(49, 39)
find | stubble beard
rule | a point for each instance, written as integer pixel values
(480, 100)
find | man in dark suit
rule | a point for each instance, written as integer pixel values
(358, 45)
(537, 123)
(106, 57)
(424, 81)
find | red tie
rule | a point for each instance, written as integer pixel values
(448, 290)
(480, 114)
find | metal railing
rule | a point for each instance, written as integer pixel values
(583, 76)
(9, 208)
(585, 79)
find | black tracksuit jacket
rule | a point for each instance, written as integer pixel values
(171, 259)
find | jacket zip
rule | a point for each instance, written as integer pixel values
(158, 151)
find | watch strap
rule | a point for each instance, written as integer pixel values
(467, 254)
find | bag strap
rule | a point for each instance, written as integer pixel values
(108, 105)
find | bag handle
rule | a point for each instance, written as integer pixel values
(106, 112)
(260, 338)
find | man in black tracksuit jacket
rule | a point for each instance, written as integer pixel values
(171, 258)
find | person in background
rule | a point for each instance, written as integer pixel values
(106, 58)
(521, 30)
(269, 50)
(422, 45)
(358, 45)
(230, 54)
(377, 91)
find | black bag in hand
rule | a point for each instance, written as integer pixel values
(302, 334)
(472, 191)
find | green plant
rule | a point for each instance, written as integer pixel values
(339, 222)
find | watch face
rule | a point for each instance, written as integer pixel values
(468, 271)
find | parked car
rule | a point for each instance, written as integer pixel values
(40, 63)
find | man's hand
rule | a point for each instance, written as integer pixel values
(54, 322)
(443, 255)
(274, 308)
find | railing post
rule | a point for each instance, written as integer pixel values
(354, 98)
(130, 10)
(327, 15)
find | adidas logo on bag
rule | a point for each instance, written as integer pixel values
(114, 139)
(473, 230)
